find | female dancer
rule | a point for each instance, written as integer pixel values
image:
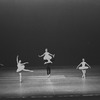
(21, 67)
(47, 56)
(83, 66)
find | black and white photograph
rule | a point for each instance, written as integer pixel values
(49, 49)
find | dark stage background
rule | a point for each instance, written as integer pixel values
(68, 28)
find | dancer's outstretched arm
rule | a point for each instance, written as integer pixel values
(88, 65)
(78, 66)
(25, 63)
(41, 55)
(51, 54)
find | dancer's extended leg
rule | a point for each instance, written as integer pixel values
(28, 70)
(20, 77)
(48, 70)
(84, 72)
(48, 62)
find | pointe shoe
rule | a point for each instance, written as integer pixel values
(32, 71)
(48, 75)
(20, 81)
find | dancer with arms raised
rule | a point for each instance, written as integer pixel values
(21, 67)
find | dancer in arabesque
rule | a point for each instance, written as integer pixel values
(83, 66)
(47, 57)
(21, 67)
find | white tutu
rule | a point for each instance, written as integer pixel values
(47, 57)
(20, 68)
(83, 68)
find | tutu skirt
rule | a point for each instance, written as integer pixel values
(83, 68)
(20, 68)
(47, 57)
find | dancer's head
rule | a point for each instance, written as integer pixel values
(46, 50)
(19, 61)
(83, 60)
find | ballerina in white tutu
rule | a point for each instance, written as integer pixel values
(21, 67)
(83, 66)
(47, 56)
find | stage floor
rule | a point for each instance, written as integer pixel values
(62, 82)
